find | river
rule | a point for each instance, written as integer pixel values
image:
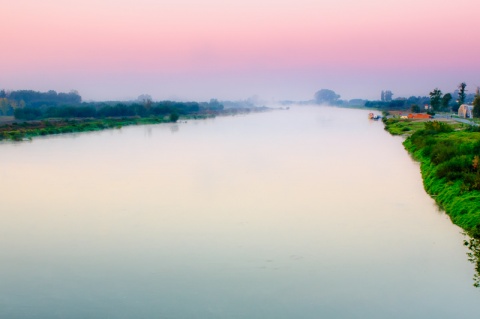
(314, 212)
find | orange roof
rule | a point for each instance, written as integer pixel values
(419, 116)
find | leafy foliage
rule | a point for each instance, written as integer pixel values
(173, 117)
(476, 106)
(32, 105)
(461, 93)
(454, 181)
(435, 99)
(437, 127)
(37, 99)
(399, 103)
(450, 164)
(104, 110)
(446, 101)
(325, 96)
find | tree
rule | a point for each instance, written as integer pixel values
(27, 113)
(4, 106)
(173, 117)
(388, 96)
(446, 100)
(143, 98)
(214, 105)
(415, 108)
(461, 93)
(435, 99)
(325, 96)
(476, 106)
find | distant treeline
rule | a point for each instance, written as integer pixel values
(407, 103)
(400, 103)
(32, 105)
(11, 100)
(329, 97)
(102, 110)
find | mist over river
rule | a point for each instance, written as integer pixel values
(314, 212)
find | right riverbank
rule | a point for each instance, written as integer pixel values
(449, 156)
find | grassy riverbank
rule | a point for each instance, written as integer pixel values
(18, 131)
(449, 155)
(25, 113)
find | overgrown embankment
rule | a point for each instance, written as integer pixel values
(76, 119)
(18, 131)
(450, 166)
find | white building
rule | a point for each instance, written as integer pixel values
(465, 111)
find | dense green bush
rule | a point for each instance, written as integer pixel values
(27, 113)
(455, 168)
(437, 127)
(442, 151)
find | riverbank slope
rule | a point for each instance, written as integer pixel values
(449, 156)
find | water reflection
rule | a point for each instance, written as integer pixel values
(279, 215)
(473, 245)
(148, 131)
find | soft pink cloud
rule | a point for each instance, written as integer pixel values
(187, 37)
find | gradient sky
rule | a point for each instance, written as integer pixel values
(197, 50)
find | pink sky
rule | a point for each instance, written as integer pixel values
(198, 50)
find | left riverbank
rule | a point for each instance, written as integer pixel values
(19, 130)
(25, 114)
(24, 130)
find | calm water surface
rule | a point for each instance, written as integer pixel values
(306, 213)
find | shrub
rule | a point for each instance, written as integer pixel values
(454, 168)
(437, 127)
(443, 151)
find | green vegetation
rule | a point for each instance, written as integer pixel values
(461, 93)
(446, 101)
(11, 101)
(450, 163)
(436, 99)
(398, 126)
(474, 257)
(415, 108)
(476, 106)
(31, 105)
(174, 117)
(36, 113)
(326, 96)
(27, 130)
(451, 171)
(450, 166)
(105, 110)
